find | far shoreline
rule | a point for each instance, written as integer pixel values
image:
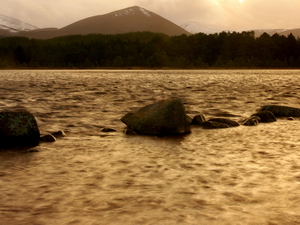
(147, 68)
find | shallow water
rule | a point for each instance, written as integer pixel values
(243, 175)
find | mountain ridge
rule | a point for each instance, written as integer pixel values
(131, 19)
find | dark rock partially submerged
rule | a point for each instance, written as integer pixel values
(53, 136)
(48, 138)
(198, 120)
(18, 129)
(214, 125)
(162, 118)
(108, 130)
(266, 116)
(230, 123)
(252, 121)
(281, 111)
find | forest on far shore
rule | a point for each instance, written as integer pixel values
(152, 50)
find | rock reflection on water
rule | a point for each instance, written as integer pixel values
(242, 175)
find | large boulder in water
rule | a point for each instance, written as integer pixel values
(281, 111)
(161, 118)
(18, 129)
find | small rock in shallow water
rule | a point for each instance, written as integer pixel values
(108, 130)
(230, 123)
(48, 138)
(198, 120)
(265, 116)
(214, 125)
(252, 121)
(291, 118)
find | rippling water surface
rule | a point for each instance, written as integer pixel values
(243, 175)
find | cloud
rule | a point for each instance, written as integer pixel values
(255, 14)
(56, 13)
(277, 14)
(180, 11)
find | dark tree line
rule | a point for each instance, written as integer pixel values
(152, 50)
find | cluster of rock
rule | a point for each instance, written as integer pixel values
(168, 117)
(20, 129)
(52, 137)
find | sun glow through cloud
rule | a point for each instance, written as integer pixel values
(241, 1)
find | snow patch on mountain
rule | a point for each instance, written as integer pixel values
(124, 12)
(145, 12)
(14, 25)
(131, 11)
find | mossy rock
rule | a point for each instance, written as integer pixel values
(166, 117)
(18, 129)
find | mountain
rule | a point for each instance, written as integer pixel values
(133, 19)
(14, 25)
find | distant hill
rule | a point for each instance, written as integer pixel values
(285, 32)
(295, 32)
(197, 27)
(133, 19)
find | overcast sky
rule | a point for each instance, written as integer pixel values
(231, 14)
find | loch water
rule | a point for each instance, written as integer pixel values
(242, 175)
